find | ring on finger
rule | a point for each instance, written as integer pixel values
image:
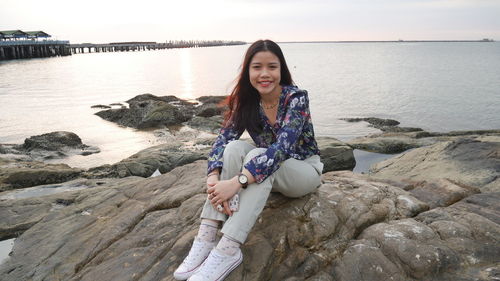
(220, 208)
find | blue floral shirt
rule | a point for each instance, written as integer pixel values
(292, 136)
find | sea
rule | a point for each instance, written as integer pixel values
(437, 86)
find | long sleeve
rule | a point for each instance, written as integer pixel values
(287, 137)
(226, 134)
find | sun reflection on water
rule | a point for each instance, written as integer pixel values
(186, 75)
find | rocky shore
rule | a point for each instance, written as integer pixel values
(431, 213)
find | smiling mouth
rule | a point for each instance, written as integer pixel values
(265, 83)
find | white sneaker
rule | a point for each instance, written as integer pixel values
(192, 263)
(217, 266)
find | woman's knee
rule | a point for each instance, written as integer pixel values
(254, 152)
(237, 147)
(296, 178)
(300, 189)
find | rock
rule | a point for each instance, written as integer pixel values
(143, 228)
(212, 99)
(473, 132)
(210, 124)
(374, 121)
(212, 106)
(209, 110)
(441, 192)
(53, 141)
(18, 215)
(390, 143)
(160, 114)
(101, 106)
(459, 242)
(336, 155)
(471, 161)
(19, 174)
(150, 97)
(385, 125)
(353, 228)
(10, 151)
(48, 146)
(146, 111)
(397, 142)
(164, 157)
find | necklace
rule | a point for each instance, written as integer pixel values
(268, 107)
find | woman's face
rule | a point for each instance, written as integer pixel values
(265, 73)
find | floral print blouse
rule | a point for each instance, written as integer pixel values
(292, 136)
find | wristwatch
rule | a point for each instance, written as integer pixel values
(243, 180)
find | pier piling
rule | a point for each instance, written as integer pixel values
(21, 49)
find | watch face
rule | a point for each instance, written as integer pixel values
(243, 179)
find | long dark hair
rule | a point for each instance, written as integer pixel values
(243, 103)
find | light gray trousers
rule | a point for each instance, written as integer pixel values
(294, 178)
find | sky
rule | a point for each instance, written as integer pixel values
(103, 21)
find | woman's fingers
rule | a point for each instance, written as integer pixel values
(216, 200)
(226, 208)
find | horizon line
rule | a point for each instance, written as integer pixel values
(387, 41)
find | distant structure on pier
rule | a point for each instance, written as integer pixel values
(18, 44)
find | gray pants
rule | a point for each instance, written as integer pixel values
(294, 178)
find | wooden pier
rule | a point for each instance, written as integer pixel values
(145, 46)
(22, 49)
(17, 44)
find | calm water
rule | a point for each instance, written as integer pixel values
(435, 86)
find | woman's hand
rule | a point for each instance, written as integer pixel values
(212, 180)
(222, 191)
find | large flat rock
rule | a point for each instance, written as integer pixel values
(18, 174)
(396, 142)
(459, 242)
(353, 228)
(143, 228)
(473, 161)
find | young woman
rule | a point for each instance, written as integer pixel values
(266, 103)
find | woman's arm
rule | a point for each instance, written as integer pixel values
(226, 134)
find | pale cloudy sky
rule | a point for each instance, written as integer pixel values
(281, 20)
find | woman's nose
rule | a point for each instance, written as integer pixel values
(264, 72)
